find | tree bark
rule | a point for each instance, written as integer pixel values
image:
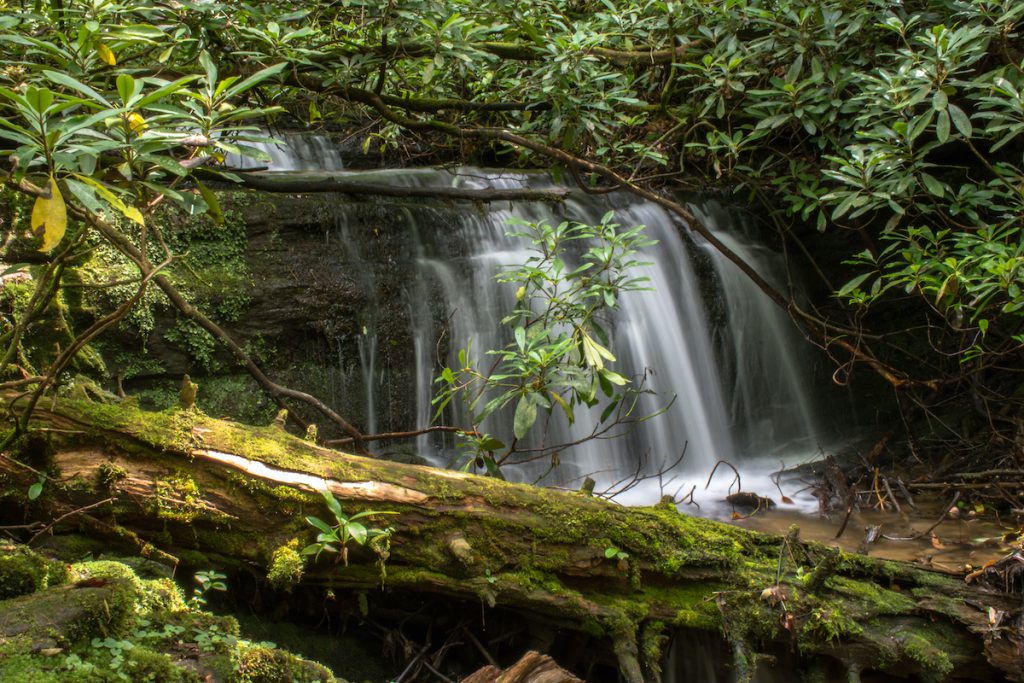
(189, 486)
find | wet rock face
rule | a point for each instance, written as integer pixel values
(333, 291)
(304, 282)
(328, 309)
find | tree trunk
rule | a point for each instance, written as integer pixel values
(208, 492)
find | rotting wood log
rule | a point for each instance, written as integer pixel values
(215, 493)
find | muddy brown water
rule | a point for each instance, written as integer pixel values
(955, 545)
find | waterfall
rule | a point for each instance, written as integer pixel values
(707, 340)
(292, 152)
(736, 389)
(764, 373)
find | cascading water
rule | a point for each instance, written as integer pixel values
(662, 330)
(738, 389)
(292, 152)
(735, 383)
(762, 371)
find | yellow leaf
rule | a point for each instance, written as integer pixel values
(136, 123)
(565, 406)
(211, 202)
(133, 214)
(50, 217)
(106, 54)
(594, 352)
(591, 355)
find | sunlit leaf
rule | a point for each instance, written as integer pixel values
(106, 54)
(566, 408)
(320, 524)
(49, 217)
(129, 212)
(594, 353)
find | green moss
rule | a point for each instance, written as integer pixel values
(178, 498)
(149, 594)
(163, 430)
(143, 664)
(72, 547)
(193, 558)
(24, 571)
(258, 664)
(110, 475)
(829, 624)
(81, 612)
(210, 271)
(870, 598)
(78, 484)
(934, 662)
(286, 566)
(111, 625)
(26, 668)
(275, 495)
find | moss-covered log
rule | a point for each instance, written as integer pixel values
(214, 493)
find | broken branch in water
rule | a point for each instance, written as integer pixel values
(739, 484)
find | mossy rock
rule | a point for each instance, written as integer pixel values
(259, 664)
(24, 571)
(151, 594)
(67, 614)
(106, 623)
(72, 547)
(286, 566)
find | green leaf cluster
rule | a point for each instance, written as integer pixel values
(558, 357)
(335, 538)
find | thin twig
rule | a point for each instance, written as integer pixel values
(885, 482)
(690, 496)
(846, 519)
(412, 663)
(739, 484)
(906, 494)
(480, 646)
(69, 514)
(945, 513)
(437, 673)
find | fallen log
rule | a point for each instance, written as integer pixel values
(266, 183)
(210, 493)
